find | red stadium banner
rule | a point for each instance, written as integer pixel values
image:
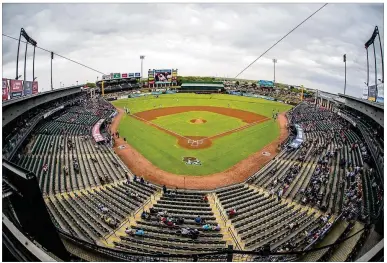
(16, 88)
(35, 87)
(124, 75)
(5, 89)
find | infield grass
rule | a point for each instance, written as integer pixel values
(215, 123)
(162, 149)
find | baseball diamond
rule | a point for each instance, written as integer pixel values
(161, 131)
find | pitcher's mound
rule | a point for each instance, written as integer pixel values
(198, 121)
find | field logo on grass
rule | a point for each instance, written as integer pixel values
(191, 161)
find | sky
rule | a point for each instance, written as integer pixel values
(197, 39)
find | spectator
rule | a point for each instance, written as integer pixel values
(139, 232)
(198, 220)
(231, 213)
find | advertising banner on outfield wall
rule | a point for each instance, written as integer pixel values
(137, 75)
(106, 77)
(131, 75)
(163, 76)
(5, 89)
(365, 93)
(35, 87)
(151, 77)
(27, 88)
(16, 88)
(116, 75)
(124, 75)
(372, 93)
(380, 97)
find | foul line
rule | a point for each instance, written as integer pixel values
(239, 128)
(162, 128)
(213, 136)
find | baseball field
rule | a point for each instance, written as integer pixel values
(191, 134)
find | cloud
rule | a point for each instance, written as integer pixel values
(198, 39)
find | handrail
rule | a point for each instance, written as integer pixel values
(224, 218)
(238, 246)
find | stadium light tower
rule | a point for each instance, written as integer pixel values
(142, 60)
(345, 72)
(274, 61)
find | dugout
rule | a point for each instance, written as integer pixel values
(202, 87)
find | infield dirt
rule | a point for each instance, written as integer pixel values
(238, 173)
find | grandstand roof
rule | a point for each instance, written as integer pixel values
(371, 103)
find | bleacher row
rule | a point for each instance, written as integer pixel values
(331, 193)
(263, 220)
(81, 214)
(164, 239)
(73, 160)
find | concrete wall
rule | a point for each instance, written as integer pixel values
(13, 109)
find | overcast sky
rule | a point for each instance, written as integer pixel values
(198, 39)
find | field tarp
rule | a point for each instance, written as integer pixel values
(299, 138)
(96, 131)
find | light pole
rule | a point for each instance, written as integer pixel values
(274, 61)
(19, 77)
(142, 60)
(60, 84)
(345, 72)
(52, 57)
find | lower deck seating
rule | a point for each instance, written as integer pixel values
(160, 238)
(88, 214)
(262, 219)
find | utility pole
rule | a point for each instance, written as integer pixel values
(345, 72)
(274, 61)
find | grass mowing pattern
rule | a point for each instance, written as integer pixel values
(162, 150)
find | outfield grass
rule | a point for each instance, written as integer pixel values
(259, 106)
(216, 123)
(164, 152)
